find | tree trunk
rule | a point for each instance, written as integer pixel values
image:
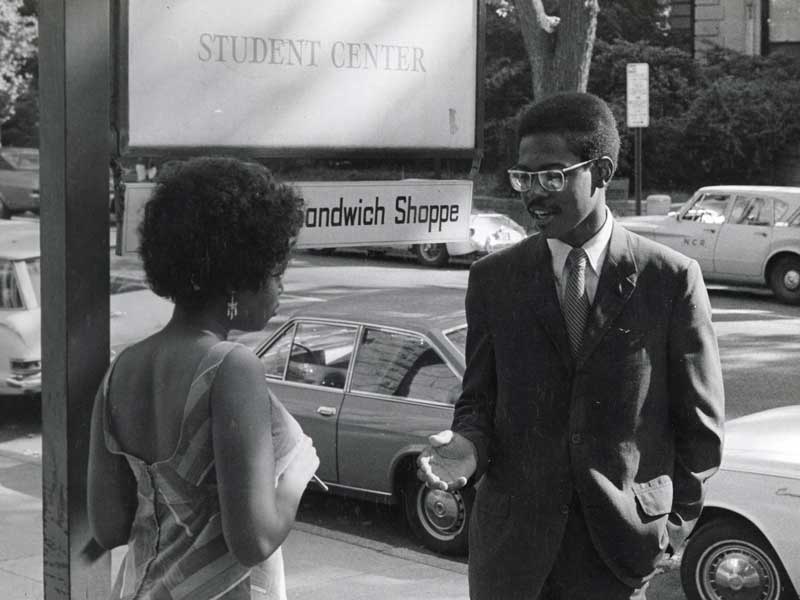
(560, 52)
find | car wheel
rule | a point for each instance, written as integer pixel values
(5, 213)
(727, 559)
(440, 520)
(431, 255)
(784, 279)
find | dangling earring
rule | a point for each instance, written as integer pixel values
(233, 306)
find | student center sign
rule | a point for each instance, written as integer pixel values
(317, 78)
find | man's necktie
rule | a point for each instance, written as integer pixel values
(576, 300)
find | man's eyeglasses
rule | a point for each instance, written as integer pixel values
(551, 180)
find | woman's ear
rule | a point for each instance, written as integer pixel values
(605, 170)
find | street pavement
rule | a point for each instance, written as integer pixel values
(321, 564)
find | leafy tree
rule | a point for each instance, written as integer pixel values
(18, 34)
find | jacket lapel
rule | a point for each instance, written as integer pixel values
(617, 282)
(539, 292)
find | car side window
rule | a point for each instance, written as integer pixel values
(403, 365)
(782, 209)
(274, 359)
(320, 354)
(750, 210)
(709, 208)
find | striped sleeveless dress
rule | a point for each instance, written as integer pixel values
(176, 548)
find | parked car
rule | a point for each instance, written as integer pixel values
(19, 181)
(135, 311)
(488, 231)
(369, 380)
(739, 234)
(747, 541)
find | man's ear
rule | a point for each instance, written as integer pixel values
(605, 170)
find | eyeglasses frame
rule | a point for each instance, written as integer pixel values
(563, 172)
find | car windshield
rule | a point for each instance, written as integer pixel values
(497, 220)
(458, 337)
(34, 266)
(23, 161)
(10, 293)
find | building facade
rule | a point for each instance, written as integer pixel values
(753, 27)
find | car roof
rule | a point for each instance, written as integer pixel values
(19, 240)
(429, 309)
(767, 189)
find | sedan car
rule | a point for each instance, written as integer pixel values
(747, 541)
(135, 311)
(369, 381)
(19, 181)
(738, 234)
(488, 231)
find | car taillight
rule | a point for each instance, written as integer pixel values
(21, 367)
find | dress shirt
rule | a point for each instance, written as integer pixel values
(596, 249)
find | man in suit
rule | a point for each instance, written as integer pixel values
(592, 403)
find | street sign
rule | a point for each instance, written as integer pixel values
(638, 94)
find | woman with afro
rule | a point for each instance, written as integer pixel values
(182, 462)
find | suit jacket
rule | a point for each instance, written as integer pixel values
(633, 425)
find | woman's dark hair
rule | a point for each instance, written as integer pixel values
(584, 120)
(215, 225)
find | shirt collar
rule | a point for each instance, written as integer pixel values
(595, 248)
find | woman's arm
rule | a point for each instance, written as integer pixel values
(111, 487)
(256, 516)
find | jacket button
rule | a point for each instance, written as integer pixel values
(565, 509)
(576, 438)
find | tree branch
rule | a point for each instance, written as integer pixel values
(547, 22)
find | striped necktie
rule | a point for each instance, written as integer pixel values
(576, 300)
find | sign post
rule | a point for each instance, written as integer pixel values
(638, 111)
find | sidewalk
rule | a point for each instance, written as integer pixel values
(321, 564)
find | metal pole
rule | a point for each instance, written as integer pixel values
(74, 40)
(638, 169)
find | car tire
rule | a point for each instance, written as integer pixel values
(432, 255)
(726, 555)
(784, 279)
(440, 520)
(5, 213)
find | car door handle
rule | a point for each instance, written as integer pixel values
(710, 230)
(326, 411)
(761, 233)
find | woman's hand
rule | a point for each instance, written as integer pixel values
(299, 472)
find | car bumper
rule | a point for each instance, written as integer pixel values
(21, 386)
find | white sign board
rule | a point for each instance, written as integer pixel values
(384, 212)
(638, 94)
(357, 213)
(304, 74)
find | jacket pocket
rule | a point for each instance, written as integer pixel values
(654, 496)
(491, 502)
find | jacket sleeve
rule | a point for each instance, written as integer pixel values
(697, 401)
(474, 412)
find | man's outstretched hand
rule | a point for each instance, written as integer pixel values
(448, 462)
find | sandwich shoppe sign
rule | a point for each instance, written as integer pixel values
(384, 212)
(359, 213)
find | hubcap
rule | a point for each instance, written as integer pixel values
(791, 280)
(430, 251)
(441, 513)
(737, 570)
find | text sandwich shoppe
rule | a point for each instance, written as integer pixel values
(373, 213)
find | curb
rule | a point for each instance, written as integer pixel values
(382, 548)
